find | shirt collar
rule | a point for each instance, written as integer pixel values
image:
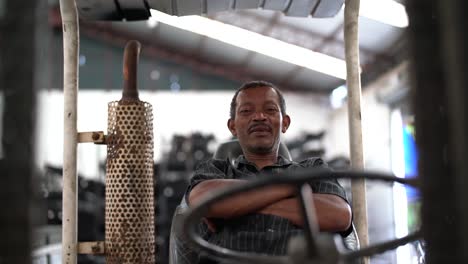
(241, 160)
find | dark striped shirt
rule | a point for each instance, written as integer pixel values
(259, 233)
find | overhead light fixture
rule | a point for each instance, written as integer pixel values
(338, 96)
(385, 11)
(152, 23)
(256, 42)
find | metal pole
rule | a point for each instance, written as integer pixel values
(70, 91)
(18, 93)
(455, 65)
(438, 40)
(353, 82)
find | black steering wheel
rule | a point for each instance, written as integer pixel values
(314, 247)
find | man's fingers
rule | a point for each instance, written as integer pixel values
(210, 224)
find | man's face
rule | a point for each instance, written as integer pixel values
(258, 122)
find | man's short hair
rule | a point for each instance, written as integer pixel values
(255, 84)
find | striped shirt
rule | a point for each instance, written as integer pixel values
(259, 233)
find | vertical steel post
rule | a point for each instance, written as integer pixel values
(70, 91)
(18, 92)
(353, 82)
(438, 40)
(455, 65)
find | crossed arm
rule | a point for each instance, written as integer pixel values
(333, 213)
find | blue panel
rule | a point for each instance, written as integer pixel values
(411, 159)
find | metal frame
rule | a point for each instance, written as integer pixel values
(70, 25)
(19, 78)
(71, 42)
(353, 83)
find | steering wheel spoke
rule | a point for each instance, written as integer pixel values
(309, 216)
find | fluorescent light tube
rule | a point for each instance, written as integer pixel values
(256, 42)
(385, 11)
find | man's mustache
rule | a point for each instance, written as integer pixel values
(256, 127)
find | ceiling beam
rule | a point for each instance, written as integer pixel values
(266, 31)
(373, 63)
(107, 32)
(291, 33)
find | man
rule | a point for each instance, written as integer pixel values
(263, 220)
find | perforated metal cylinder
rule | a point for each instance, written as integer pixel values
(129, 184)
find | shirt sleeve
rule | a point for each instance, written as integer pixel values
(327, 186)
(208, 170)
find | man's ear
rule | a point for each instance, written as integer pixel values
(286, 123)
(232, 127)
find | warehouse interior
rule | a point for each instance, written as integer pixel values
(413, 66)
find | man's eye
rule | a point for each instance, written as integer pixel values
(272, 110)
(245, 111)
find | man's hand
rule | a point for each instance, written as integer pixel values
(210, 224)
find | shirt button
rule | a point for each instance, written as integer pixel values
(270, 230)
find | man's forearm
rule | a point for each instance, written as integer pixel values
(241, 204)
(333, 213)
(288, 208)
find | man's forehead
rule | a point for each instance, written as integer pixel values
(264, 93)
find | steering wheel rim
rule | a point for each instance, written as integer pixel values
(194, 215)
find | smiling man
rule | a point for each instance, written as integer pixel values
(263, 220)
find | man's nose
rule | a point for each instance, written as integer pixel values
(259, 115)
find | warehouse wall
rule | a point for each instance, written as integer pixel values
(377, 152)
(174, 113)
(101, 68)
